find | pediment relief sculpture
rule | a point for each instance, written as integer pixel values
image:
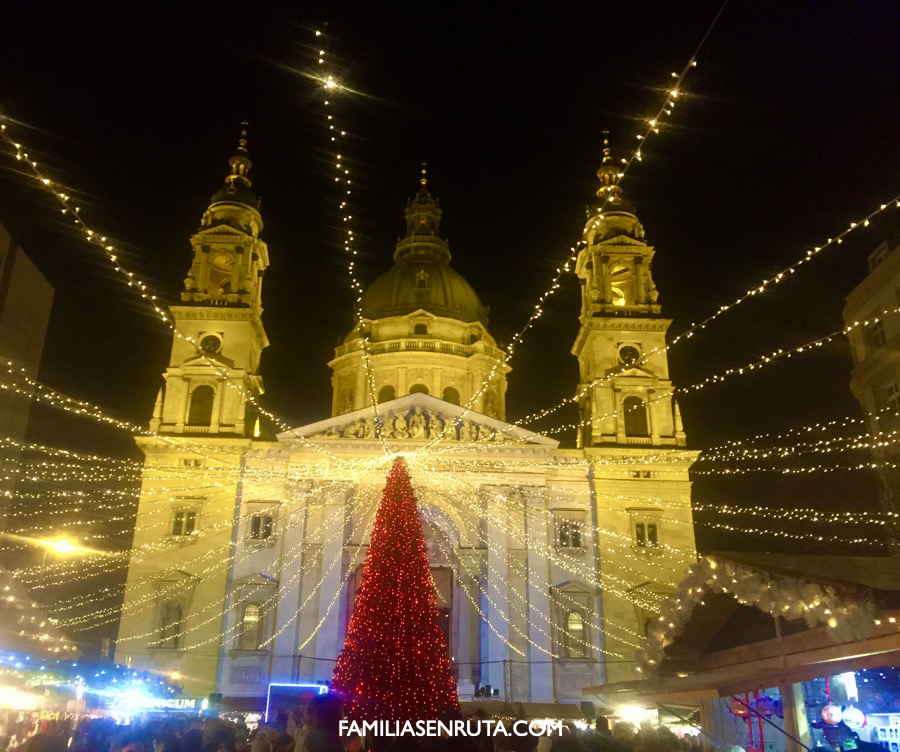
(416, 423)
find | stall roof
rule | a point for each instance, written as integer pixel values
(560, 710)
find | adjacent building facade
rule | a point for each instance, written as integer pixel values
(25, 302)
(548, 562)
(873, 329)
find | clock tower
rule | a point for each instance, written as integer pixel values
(624, 394)
(215, 356)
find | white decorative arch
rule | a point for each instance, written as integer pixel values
(776, 595)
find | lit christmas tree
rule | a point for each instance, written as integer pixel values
(394, 664)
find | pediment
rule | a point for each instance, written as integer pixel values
(636, 370)
(419, 418)
(255, 581)
(221, 231)
(622, 240)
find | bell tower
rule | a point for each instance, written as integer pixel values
(624, 394)
(205, 389)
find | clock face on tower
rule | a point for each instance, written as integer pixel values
(629, 354)
(210, 344)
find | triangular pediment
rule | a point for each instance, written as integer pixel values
(419, 418)
(220, 230)
(624, 240)
(636, 370)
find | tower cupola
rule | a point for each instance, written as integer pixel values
(612, 214)
(235, 204)
(423, 223)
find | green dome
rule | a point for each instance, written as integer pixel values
(427, 283)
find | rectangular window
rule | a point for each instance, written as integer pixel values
(260, 527)
(569, 534)
(892, 398)
(569, 527)
(184, 522)
(640, 533)
(191, 462)
(875, 338)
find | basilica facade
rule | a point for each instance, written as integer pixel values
(548, 563)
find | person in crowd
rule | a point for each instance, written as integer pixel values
(324, 721)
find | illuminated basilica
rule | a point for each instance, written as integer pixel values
(547, 562)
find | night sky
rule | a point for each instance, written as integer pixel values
(786, 132)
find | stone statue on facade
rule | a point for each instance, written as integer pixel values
(401, 427)
(436, 426)
(417, 423)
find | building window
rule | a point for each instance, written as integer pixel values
(875, 338)
(251, 627)
(569, 534)
(646, 534)
(170, 618)
(420, 329)
(575, 639)
(200, 413)
(261, 527)
(635, 416)
(189, 462)
(386, 394)
(184, 522)
(418, 389)
(451, 395)
(892, 398)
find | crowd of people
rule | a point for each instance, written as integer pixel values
(317, 730)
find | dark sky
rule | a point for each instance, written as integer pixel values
(787, 131)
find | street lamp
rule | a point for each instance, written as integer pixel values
(61, 546)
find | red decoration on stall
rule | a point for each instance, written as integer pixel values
(832, 714)
(394, 663)
(739, 708)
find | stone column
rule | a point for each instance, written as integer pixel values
(468, 646)
(651, 409)
(292, 534)
(494, 503)
(329, 639)
(538, 590)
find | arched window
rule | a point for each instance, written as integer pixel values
(635, 416)
(576, 644)
(386, 394)
(418, 389)
(652, 534)
(251, 623)
(200, 413)
(451, 395)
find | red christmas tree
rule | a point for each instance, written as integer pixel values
(394, 664)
